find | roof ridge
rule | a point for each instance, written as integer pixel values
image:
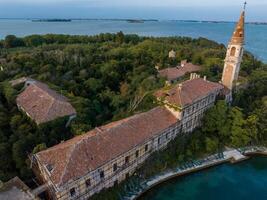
(46, 89)
(125, 121)
(50, 106)
(42, 89)
(69, 158)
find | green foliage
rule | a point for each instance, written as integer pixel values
(8, 92)
(39, 147)
(12, 41)
(111, 76)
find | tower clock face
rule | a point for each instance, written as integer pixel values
(228, 74)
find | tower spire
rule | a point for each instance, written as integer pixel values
(245, 4)
(238, 35)
(234, 54)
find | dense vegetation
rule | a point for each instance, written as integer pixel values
(111, 76)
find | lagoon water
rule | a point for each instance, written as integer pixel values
(243, 181)
(256, 35)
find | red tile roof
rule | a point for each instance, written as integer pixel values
(43, 104)
(175, 73)
(75, 158)
(188, 92)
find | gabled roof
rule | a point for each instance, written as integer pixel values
(189, 91)
(43, 104)
(175, 73)
(77, 157)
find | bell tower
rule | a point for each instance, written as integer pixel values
(234, 54)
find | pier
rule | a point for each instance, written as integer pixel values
(138, 188)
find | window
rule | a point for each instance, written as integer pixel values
(115, 167)
(189, 123)
(188, 110)
(102, 174)
(146, 147)
(137, 154)
(72, 192)
(167, 135)
(232, 53)
(88, 183)
(116, 183)
(127, 159)
(127, 175)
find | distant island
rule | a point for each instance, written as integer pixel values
(217, 22)
(135, 21)
(51, 20)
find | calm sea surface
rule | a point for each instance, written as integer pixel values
(256, 35)
(243, 181)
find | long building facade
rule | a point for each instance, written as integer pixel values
(105, 156)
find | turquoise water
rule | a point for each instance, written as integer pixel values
(256, 35)
(243, 181)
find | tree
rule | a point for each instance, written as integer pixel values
(120, 37)
(211, 145)
(215, 122)
(239, 135)
(12, 41)
(251, 126)
(39, 147)
(34, 40)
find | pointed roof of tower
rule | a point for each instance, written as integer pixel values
(238, 35)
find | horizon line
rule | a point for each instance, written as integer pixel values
(125, 19)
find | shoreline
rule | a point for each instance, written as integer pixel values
(134, 19)
(232, 156)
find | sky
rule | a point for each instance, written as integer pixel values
(227, 10)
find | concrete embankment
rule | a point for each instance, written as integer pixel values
(233, 156)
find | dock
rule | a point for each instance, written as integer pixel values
(231, 155)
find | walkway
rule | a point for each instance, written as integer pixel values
(235, 155)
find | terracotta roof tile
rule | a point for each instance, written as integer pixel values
(177, 72)
(188, 92)
(82, 154)
(43, 104)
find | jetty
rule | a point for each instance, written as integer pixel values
(135, 190)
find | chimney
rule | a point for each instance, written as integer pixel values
(191, 76)
(180, 87)
(183, 63)
(167, 83)
(205, 78)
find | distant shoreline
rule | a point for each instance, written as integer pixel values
(133, 20)
(51, 20)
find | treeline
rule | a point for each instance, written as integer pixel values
(106, 77)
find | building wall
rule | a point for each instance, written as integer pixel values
(232, 65)
(128, 162)
(111, 177)
(193, 114)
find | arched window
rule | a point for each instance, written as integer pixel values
(232, 53)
